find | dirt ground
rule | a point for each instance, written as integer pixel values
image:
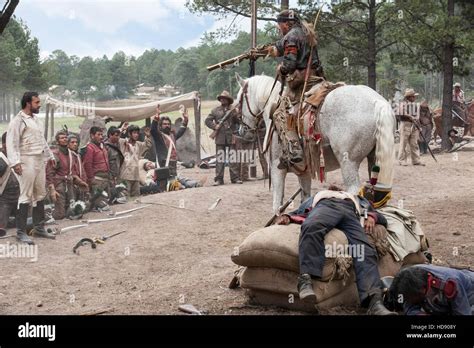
(170, 255)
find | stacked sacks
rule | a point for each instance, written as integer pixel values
(270, 270)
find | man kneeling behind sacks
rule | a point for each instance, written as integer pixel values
(332, 222)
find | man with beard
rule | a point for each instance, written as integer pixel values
(300, 63)
(132, 151)
(9, 187)
(28, 152)
(224, 139)
(165, 139)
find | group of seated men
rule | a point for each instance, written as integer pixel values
(105, 171)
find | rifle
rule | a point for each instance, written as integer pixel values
(283, 208)
(221, 122)
(253, 53)
(417, 126)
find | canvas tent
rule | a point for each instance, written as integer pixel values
(127, 113)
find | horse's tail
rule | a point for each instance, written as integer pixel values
(385, 141)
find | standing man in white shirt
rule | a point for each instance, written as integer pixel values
(28, 153)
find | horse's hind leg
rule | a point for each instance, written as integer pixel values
(305, 184)
(350, 175)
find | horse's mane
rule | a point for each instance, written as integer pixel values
(263, 86)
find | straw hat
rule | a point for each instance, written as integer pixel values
(457, 84)
(226, 95)
(410, 92)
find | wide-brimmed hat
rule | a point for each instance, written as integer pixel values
(410, 92)
(226, 95)
(457, 84)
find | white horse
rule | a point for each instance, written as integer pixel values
(355, 122)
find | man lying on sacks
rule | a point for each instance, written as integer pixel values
(352, 214)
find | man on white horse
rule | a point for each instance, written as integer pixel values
(300, 63)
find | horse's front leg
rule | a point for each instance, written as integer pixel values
(278, 184)
(305, 184)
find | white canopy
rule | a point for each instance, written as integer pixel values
(125, 113)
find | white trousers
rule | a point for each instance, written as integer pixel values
(33, 180)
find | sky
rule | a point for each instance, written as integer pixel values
(97, 27)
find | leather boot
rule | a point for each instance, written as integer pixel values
(296, 153)
(21, 218)
(38, 222)
(305, 289)
(376, 306)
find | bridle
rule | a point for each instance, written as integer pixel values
(244, 98)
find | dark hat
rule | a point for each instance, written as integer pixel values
(287, 15)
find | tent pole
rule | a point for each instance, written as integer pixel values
(46, 120)
(52, 122)
(197, 126)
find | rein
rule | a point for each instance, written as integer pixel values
(244, 96)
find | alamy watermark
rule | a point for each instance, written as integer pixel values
(236, 156)
(19, 251)
(355, 251)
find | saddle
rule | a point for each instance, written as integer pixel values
(309, 129)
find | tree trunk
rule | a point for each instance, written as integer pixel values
(371, 53)
(285, 4)
(448, 70)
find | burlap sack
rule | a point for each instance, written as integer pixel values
(285, 282)
(277, 287)
(277, 247)
(266, 298)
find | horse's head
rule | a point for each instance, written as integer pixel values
(255, 97)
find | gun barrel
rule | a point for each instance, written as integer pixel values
(227, 62)
(283, 207)
(236, 59)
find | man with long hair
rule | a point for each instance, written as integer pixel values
(300, 64)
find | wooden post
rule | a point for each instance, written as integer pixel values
(197, 126)
(52, 122)
(253, 36)
(46, 120)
